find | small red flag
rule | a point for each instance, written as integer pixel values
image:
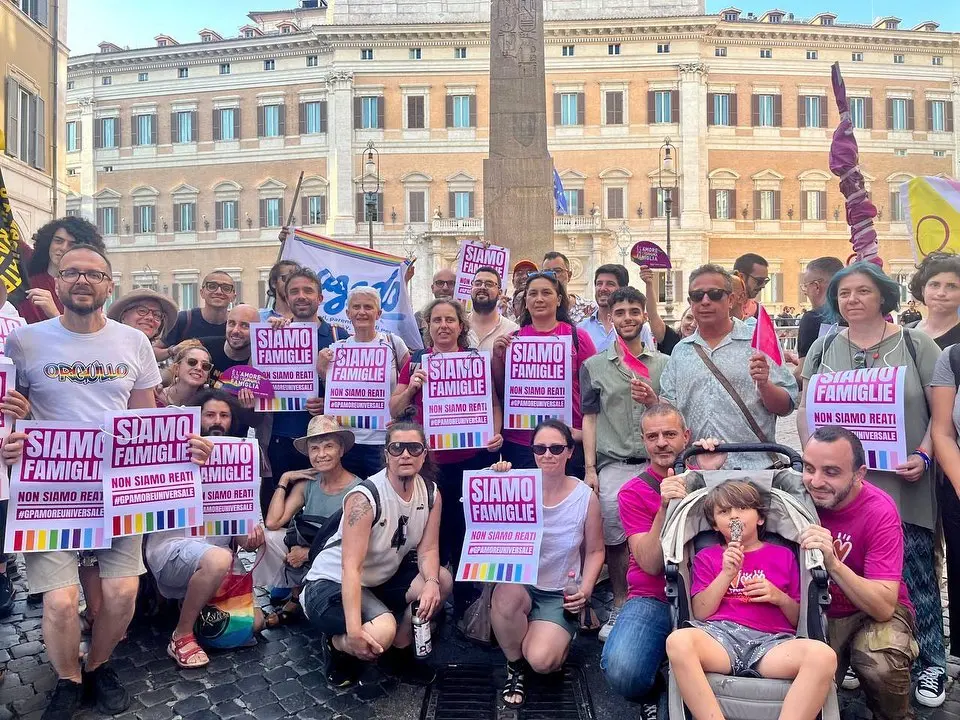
(765, 337)
(632, 361)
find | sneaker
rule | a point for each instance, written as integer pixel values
(6, 596)
(850, 680)
(34, 598)
(103, 688)
(931, 690)
(649, 711)
(608, 625)
(340, 669)
(64, 702)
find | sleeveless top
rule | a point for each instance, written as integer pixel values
(319, 505)
(397, 532)
(560, 549)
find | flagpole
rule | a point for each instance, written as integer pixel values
(293, 208)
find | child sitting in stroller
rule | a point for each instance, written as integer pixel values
(746, 603)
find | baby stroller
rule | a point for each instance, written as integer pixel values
(686, 532)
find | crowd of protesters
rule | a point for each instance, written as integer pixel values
(363, 528)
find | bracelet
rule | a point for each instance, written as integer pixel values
(432, 579)
(926, 458)
(285, 488)
(589, 466)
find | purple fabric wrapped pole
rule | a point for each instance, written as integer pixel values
(844, 157)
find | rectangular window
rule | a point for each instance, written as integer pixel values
(614, 107)
(768, 204)
(313, 118)
(568, 109)
(144, 218)
(415, 112)
(145, 130)
(273, 212)
(723, 202)
(815, 209)
(899, 108)
(900, 152)
(937, 60)
(183, 73)
(613, 49)
(313, 60)
(417, 202)
(184, 126)
(567, 50)
(269, 65)
(228, 213)
(615, 203)
(224, 68)
(765, 107)
(939, 153)
(663, 106)
(856, 57)
(462, 204)
(370, 113)
(766, 53)
(896, 209)
(71, 84)
(461, 111)
(184, 217)
(811, 107)
(185, 294)
(460, 53)
(271, 121)
(228, 119)
(73, 136)
(416, 53)
(143, 77)
(367, 211)
(731, 17)
(106, 80)
(573, 201)
(108, 133)
(663, 48)
(720, 52)
(898, 60)
(812, 55)
(107, 220)
(661, 208)
(721, 109)
(366, 54)
(938, 116)
(858, 112)
(316, 210)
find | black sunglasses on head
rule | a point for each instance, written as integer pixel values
(714, 294)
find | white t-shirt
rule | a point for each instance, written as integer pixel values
(363, 436)
(81, 376)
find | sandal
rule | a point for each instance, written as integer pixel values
(514, 687)
(290, 613)
(187, 652)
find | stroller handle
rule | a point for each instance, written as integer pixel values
(795, 461)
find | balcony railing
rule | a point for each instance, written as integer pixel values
(566, 224)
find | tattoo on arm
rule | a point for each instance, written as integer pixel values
(358, 509)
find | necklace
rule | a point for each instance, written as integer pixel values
(858, 359)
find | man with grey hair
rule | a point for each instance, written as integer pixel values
(722, 386)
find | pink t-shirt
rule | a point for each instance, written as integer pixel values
(773, 562)
(586, 350)
(868, 539)
(639, 505)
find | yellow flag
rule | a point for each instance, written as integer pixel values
(931, 208)
(10, 268)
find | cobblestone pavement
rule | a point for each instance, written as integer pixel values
(281, 677)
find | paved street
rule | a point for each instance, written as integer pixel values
(280, 677)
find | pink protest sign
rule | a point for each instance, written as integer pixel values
(867, 402)
(56, 490)
(231, 488)
(473, 256)
(243, 377)
(504, 516)
(538, 383)
(457, 400)
(7, 326)
(358, 385)
(288, 358)
(650, 254)
(149, 482)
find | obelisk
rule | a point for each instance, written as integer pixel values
(518, 201)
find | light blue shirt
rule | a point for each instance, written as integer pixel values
(604, 340)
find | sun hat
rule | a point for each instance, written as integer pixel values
(168, 306)
(321, 426)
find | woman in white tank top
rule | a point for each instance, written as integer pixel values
(531, 622)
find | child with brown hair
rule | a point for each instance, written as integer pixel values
(746, 601)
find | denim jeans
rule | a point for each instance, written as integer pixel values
(636, 647)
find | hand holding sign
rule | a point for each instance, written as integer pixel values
(649, 254)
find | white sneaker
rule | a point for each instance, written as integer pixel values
(931, 687)
(850, 680)
(608, 625)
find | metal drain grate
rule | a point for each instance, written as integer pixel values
(471, 692)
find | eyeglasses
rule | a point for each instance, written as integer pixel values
(205, 365)
(94, 277)
(715, 294)
(444, 283)
(542, 449)
(488, 284)
(415, 449)
(211, 286)
(143, 312)
(760, 281)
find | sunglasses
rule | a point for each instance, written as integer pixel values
(542, 273)
(211, 286)
(760, 281)
(714, 294)
(143, 312)
(205, 365)
(542, 449)
(415, 449)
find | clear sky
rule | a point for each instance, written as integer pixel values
(134, 23)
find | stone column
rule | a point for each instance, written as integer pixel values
(88, 166)
(341, 163)
(518, 202)
(693, 146)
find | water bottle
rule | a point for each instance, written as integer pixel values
(569, 590)
(422, 642)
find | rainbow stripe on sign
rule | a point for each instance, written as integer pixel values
(281, 404)
(212, 528)
(139, 523)
(457, 441)
(526, 422)
(347, 249)
(499, 572)
(66, 539)
(363, 422)
(882, 460)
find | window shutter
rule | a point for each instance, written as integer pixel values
(134, 129)
(39, 156)
(581, 109)
(97, 135)
(236, 126)
(357, 113)
(100, 213)
(557, 115)
(823, 111)
(733, 109)
(302, 118)
(756, 204)
(803, 205)
(675, 106)
(361, 208)
(802, 111)
(263, 212)
(80, 134)
(13, 117)
(473, 111)
(154, 122)
(607, 108)
(379, 217)
(304, 211)
(580, 208)
(889, 113)
(732, 204)
(218, 215)
(283, 120)
(217, 117)
(651, 107)
(654, 209)
(910, 115)
(380, 111)
(194, 126)
(894, 206)
(755, 110)
(713, 204)
(711, 114)
(929, 115)
(260, 122)
(137, 225)
(822, 205)
(174, 128)
(949, 126)
(868, 113)
(177, 225)
(471, 208)
(323, 208)
(777, 111)
(675, 195)
(323, 116)
(449, 111)
(776, 204)
(452, 204)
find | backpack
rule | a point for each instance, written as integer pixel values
(332, 523)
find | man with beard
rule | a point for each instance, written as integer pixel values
(613, 399)
(486, 321)
(860, 535)
(606, 280)
(754, 270)
(234, 349)
(636, 646)
(75, 368)
(191, 569)
(217, 291)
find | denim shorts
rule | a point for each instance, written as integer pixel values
(745, 646)
(322, 600)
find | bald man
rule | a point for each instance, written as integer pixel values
(234, 349)
(441, 287)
